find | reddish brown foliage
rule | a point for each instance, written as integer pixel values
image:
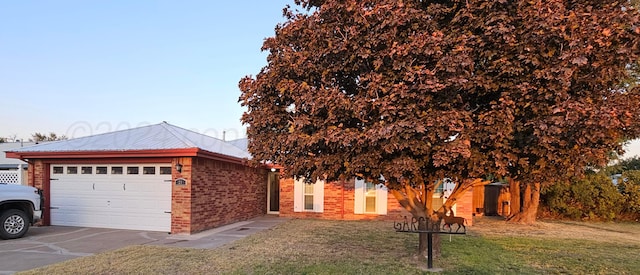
(421, 90)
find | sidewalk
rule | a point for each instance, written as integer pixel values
(222, 235)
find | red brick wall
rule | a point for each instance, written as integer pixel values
(38, 177)
(181, 197)
(220, 193)
(339, 204)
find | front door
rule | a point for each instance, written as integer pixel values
(273, 196)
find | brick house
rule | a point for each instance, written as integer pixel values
(158, 177)
(353, 199)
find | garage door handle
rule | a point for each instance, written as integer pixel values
(167, 212)
(52, 207)
(168, 180)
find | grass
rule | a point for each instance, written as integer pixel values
(364, 247)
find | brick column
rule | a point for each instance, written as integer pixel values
(181, 197)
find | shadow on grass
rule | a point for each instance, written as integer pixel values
(592, 226)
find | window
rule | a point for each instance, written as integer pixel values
(58, 169)
(101, 170)
(445, 187)
(72, 170)
(132, 170)
(148, 170)
(370, 198)
(165, 170)
(116, 170)
(86, 170)
(308, 197)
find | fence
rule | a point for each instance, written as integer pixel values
(11, 176)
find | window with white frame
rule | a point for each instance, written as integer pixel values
(370, 198)
(308, 197)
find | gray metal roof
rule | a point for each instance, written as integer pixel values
(10, 163)
(242, 143)
(161, 136)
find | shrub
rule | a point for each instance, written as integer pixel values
(629, 188)
(593, 197)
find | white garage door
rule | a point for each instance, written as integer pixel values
(124, 196)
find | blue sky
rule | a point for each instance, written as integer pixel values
(81, 67)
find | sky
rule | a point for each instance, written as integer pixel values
(78, 68)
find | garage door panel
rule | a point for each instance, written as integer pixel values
(141, 202)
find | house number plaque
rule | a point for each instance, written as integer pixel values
(181, 181)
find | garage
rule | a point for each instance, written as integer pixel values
(157, 177)
(124, 196)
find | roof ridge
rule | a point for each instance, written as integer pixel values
(111, 132)
(182, 138)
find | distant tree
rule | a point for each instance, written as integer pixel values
(38, 137)
(420, 90)
(3, 140)
(629, 186)
(622, 166)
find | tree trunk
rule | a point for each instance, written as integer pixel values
(418, 203)
(514, 189)
(531, 201)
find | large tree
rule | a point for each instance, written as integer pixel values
(421, 90)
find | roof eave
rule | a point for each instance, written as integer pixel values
(188, 152)
(221, 157)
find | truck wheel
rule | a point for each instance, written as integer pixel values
(13, 224)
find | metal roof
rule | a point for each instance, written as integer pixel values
(162, 136)
(242, 143)
(11, 163)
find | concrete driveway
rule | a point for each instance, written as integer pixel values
(52, 244)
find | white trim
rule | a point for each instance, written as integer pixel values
(298, 196)
(381, 199)
(359, 198)
(269, 192)
(318, 197)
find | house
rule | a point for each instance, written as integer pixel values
(13, 171)
(158, 177)
(351, 199)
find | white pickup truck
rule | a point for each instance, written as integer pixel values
(20, 207)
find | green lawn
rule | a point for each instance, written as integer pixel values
(363, 247)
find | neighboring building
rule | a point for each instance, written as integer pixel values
(13, 171)
(158, 177)
(492, 199)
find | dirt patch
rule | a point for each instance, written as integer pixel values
(624, 233)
